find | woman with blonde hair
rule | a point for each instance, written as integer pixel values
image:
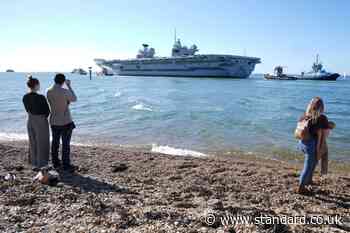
(312, 147)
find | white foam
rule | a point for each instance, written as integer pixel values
(117, 94)
(82, 144)
(175, 151)
(142, 107)
(13, 136)
(24, 137)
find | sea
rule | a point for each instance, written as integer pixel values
(187, 116)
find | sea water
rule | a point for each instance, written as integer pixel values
(187, 115)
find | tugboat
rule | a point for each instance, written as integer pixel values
(107, 72)
(79, 71)
(318, 73)
(279, 75)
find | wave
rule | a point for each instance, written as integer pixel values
(175, 151)
(142, 107)
(117, 94)
(13, 136)
(24, 137)
(83, 144)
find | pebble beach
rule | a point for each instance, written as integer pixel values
(116, 190)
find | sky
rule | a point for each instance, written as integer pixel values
(41, 35)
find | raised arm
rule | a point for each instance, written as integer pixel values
(70, 93)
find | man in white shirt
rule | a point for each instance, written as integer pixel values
(61, 121)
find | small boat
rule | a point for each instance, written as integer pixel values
(318, 73)
(79, 71)
(10, 71)
(107, 72)
(279, 75)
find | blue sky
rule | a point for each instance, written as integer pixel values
(40, 35)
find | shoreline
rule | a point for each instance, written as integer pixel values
(282, 155)
(131, 191)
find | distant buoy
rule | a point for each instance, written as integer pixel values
(90, 72)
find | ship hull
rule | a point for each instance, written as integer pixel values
(196, 66)
(225, 66)
(283, 78)
(185, 73)
(328, 77)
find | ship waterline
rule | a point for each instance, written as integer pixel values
(183, 62)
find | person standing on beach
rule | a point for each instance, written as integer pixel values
(61, 121)
(37, 125)
(317, 124)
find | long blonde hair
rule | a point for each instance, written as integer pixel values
(315, 109)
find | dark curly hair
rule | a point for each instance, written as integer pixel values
(32, 82)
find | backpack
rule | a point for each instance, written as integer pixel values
(302, 131)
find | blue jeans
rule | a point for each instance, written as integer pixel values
(310, 161)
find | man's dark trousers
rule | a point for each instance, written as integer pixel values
(65, 133)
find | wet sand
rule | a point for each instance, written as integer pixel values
(117, 190)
